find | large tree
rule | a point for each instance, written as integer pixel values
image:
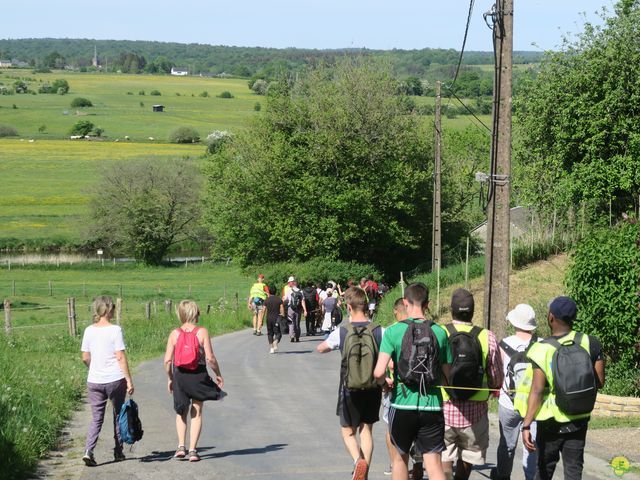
(144, 207)
(578, 121)
(336, 167)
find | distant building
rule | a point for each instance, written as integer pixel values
(520, 218)
(180, 72)
(158, 108)
(5, 63)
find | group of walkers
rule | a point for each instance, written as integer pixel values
(187, 355)
(321, 305)
(434, 383)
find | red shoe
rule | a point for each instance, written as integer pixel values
(360, 470)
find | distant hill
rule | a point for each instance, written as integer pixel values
(157, 57)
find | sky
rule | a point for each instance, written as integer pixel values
(374, 24)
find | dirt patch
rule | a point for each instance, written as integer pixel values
(607, 443)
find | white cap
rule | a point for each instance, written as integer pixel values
(523, 317)
(291, 279)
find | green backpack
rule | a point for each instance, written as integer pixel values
(359, 357)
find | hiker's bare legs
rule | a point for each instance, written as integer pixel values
(351, 442)
(181, 427)
(366, 441)
(196, 424)
(433, 465)
(399, 469)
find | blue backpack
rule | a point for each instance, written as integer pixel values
(129, 422)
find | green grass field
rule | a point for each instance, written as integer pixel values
(46, 184)
(46, 380)
(120, 114)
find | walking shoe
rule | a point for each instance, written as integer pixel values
(360, 470)
(193, 456)
(88, 459)
(118, 456)
(271, 350)
(275, 347)
(181, 452)
(255, 332)
(259, 333)
(293, 339)
(388, 472)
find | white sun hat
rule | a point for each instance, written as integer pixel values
(523, 317)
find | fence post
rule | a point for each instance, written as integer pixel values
(84, 289)
(167, 306)
(118, 310)
(155, 308)
(7, 316)
(466, 268)
(9, 263)
(402, 283)
(71, 312)
(13, 288)
(208, 308)
(147, 310)
(235, 305)
(50, 289)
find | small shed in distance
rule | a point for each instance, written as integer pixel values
(158, 108)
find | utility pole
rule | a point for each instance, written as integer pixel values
(496, 294)
(436, 236)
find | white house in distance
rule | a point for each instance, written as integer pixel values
(180, 72)
(5, 63)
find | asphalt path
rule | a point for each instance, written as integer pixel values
(277, 422)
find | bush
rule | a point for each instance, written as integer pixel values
(60, 86)
(82, 127)
(216, 140)
(155, 93)
(257, 107)
(314, 270)
(204, 94)
(141, 92)
(42, 128)
(80, 102)
(7, 131)
(226, 94)
(603, 279)
(259, 87)
(184, 135)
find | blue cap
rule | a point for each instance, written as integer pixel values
(563, 308)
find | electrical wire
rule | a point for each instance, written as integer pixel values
(464, 43)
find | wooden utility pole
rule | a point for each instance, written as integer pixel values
(496, 294)
(437, 185)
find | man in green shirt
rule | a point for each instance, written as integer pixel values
(415, 416)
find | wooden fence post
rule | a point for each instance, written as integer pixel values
(118, 310)
(50, 289)
(71, 313)
(147, 310)
(155, 308)
(84, 289)
(235, 305)
(13, 288)
(7, 316)
(167, 306)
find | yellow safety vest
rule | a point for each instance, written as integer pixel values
(541, 354)
(483, 337)
(257, 291)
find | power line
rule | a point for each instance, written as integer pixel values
(470, 112)
(464, 43)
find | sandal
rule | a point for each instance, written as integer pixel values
(193, 456)
(181, 452)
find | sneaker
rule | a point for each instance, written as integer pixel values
(181, 452)
(118, 456)
(293, 339)
(259, 333)
(271, 350)
(388, 472)
(88, 459)
(360, 470)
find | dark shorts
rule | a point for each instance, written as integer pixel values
(425, 429)
(191, 385)
(359, 407)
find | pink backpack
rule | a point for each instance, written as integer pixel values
(187, 351)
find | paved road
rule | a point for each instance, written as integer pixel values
(278, 421)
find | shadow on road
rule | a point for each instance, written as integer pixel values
(167, 455)
(246, 451)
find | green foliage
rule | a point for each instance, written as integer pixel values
(42, 128)
(81, 102)
(141, 92)
(155, 93)
(257, 107)
(145, 207)
(578, 125)
(184, 135)
(355, 166)
(603, 278)
(82, 127)
(204, 94)
(60, 86)
(217, 140)
(20, 87)
(7, 131)
(225, 94)
(259, 86)
(314, 270)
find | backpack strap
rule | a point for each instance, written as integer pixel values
(451, 328)
(509, 350)
(475, 331)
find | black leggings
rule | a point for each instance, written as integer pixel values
(274, 331)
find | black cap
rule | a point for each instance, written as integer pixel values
(563, 308)
(462, 301)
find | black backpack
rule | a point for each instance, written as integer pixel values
(295, 299)
(518, 362)
(310, 298)
(419, 360)
(574, 378)
(336, 315)
(467, 369)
